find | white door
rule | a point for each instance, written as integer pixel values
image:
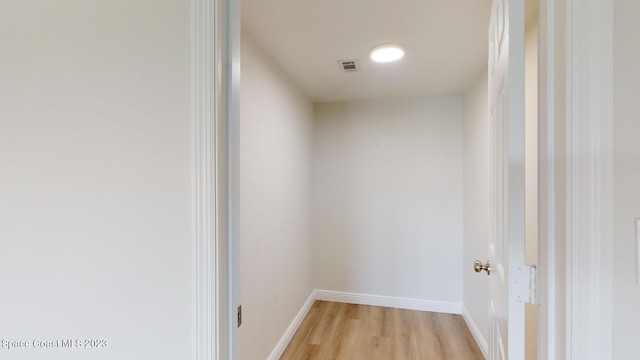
(507, 242)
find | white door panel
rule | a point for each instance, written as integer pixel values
(506, 248)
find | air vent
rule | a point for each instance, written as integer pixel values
(352, 65)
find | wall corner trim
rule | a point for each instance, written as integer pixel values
(389, 301)
(590, 180)
(211, 315)
(475, 331)
(293, 327)
(374, 300)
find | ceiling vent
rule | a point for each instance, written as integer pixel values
(352, 65)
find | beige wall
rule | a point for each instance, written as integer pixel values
(275, 202)
(626, 291)
(388, 197)
(531, 177)
(531, 143)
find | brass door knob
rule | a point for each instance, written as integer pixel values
(479, 266)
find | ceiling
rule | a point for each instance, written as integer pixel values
(445, 43)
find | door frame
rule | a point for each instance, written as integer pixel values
(214, 115)
(576, 179)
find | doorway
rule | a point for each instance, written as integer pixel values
(336, 226)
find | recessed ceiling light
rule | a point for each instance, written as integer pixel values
(387, 53)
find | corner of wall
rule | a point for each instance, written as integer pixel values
(478, 335)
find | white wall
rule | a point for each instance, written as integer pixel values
(476, 205)
(95, 178)
(388, 197)
(626, 296)
(275, 201)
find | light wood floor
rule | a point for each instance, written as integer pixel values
(359, 332)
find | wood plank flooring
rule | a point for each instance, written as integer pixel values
(359, 332)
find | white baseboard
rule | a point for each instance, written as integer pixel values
(365, 299)
(475, 331)
(389, 301)
(291, 330)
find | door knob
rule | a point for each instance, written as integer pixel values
(479, 266)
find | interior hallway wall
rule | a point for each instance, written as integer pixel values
(387, 197)
(476, 206)
(275, 201)
(95, 178)
(626, 291)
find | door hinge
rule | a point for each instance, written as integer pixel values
(523, 282)
(239, 315)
